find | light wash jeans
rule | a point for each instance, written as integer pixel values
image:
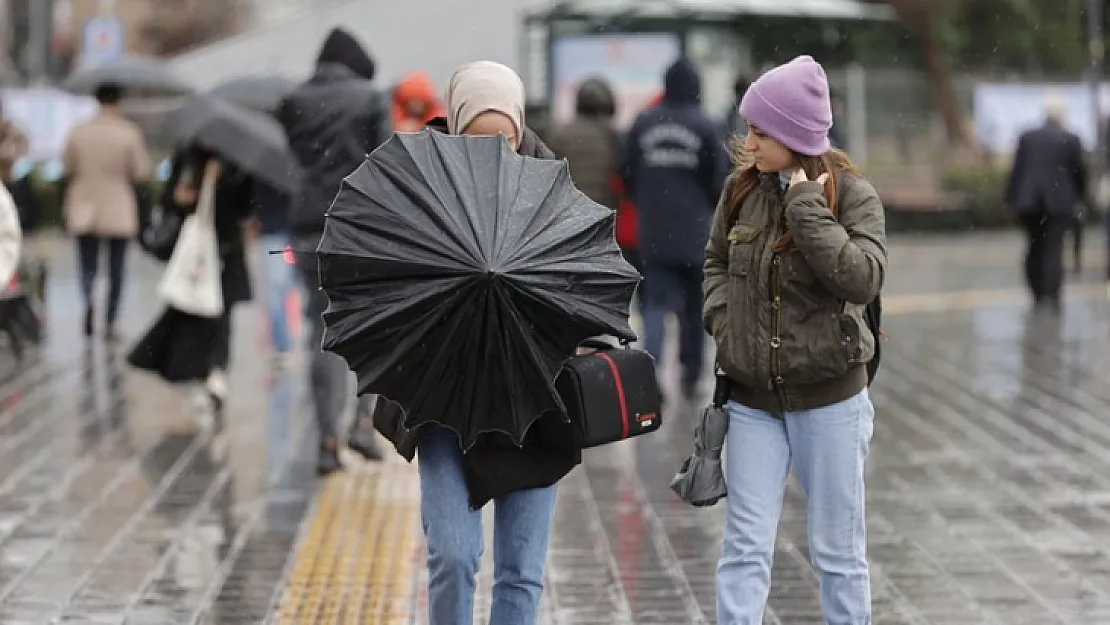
(280, 282)
(522, 529)
(827, 448)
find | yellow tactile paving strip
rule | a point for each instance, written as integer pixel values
(356, 559)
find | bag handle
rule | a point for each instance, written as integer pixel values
(723, 387)
(597, 344)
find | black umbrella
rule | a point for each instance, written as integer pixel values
(461, 275)
(260, 93)
(138, 75)
(253, 141)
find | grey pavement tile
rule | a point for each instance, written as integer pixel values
(989, 484)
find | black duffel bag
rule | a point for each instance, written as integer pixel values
(611, 394)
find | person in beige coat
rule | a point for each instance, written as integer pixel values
(105, 158)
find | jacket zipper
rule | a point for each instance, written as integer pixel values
(776, 342)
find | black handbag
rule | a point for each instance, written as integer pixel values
(159, 236)
(611, 394)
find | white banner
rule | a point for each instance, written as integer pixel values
(46, 116)
(1002, 111)
(632, 63)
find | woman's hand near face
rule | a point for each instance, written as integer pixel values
(800, 176)
(185, 192)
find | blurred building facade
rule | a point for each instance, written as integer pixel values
(435, 37)
(166, 27)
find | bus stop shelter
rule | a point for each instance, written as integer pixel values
(630, 43)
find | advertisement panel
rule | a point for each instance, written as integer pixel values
(632, 63)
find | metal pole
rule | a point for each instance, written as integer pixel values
(41, 28)
(1097, 51)
(856, 102)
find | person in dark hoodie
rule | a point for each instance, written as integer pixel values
(332, 121)
(675, 166)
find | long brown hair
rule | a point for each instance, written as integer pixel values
(746, 179)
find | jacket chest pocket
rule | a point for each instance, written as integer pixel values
(742, 249)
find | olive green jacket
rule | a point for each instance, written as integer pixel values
(789, 325)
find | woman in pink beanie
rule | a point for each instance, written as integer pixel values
(797, 251)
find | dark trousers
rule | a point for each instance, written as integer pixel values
(220, 356)
(328, 374)
(1044, 262)
(1077, 242)
(675, 289)
(88, 257)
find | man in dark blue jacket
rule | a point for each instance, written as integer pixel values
(674, 166)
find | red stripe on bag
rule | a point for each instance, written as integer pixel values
(620, 392)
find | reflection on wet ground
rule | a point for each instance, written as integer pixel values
(97, 528)
(989, 481)
(989, 495)
(118, 504)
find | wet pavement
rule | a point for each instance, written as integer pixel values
(120, 501)
(989, 481)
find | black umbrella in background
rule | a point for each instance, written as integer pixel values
(259, 93)
(461, 275)
(253, 141)
(137, 75)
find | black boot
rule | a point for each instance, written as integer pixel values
(327, 462)
(362, 439)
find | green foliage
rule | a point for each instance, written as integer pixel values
(979, 191)
(1032, 36)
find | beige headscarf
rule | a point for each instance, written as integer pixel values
(484, 86)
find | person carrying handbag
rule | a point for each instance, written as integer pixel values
(191, 341)
(796, 254)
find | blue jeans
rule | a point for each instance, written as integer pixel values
(827, 448)
(279, 276)
(522, 530)
(675, 289)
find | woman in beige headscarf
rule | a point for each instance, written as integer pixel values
(486, 98)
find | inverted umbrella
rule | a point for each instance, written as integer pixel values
(461, 275)
(259, 93)
(134, 73)
(701, 480)
(255, 142)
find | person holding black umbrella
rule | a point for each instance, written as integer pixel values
(182, 347)
(332, 122)
(487, 99)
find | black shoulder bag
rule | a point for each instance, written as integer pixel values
(611, 394)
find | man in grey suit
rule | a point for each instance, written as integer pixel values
(1047, 184)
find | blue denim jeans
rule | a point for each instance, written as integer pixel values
(827, 448)
(522, 529)
(280, 282)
